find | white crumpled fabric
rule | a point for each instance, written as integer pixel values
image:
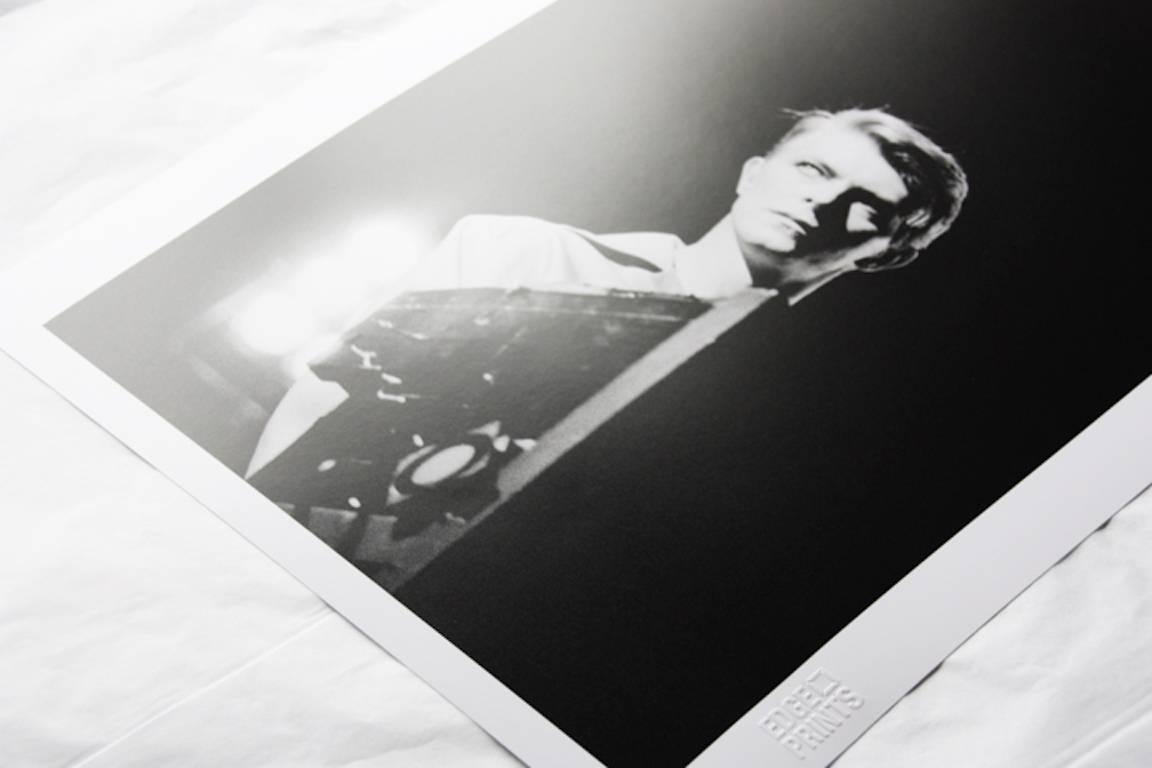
(136, 629)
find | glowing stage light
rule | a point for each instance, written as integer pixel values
(330, 286)
(365, 265)
(385, 250)
(274, 324)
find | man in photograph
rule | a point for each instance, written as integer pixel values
(840, 192)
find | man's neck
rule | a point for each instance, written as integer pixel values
(713, 266)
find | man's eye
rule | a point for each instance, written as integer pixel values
(810, 169)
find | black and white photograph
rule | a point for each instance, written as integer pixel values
(639, 351)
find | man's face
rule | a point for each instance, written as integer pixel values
(819, 202)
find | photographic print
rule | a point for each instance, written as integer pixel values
(639, 352)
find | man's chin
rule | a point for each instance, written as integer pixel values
(777, 245)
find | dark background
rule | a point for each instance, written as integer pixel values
(678, 564)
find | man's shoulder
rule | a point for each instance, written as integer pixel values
(494, 225)
(524, 250)
(640, 242)
(488, 227)
(499, 243)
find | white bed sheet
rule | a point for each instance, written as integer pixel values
(136, 629)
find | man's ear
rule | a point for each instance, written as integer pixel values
(749, 173)
(893, 258)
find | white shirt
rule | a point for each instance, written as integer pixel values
(520, 251)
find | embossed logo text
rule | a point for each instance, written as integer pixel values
(812, 713)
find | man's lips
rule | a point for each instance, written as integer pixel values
(799, 227)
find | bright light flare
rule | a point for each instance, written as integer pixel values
(304, 314)
(385, 250)
(274, 324)
(330, 286)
